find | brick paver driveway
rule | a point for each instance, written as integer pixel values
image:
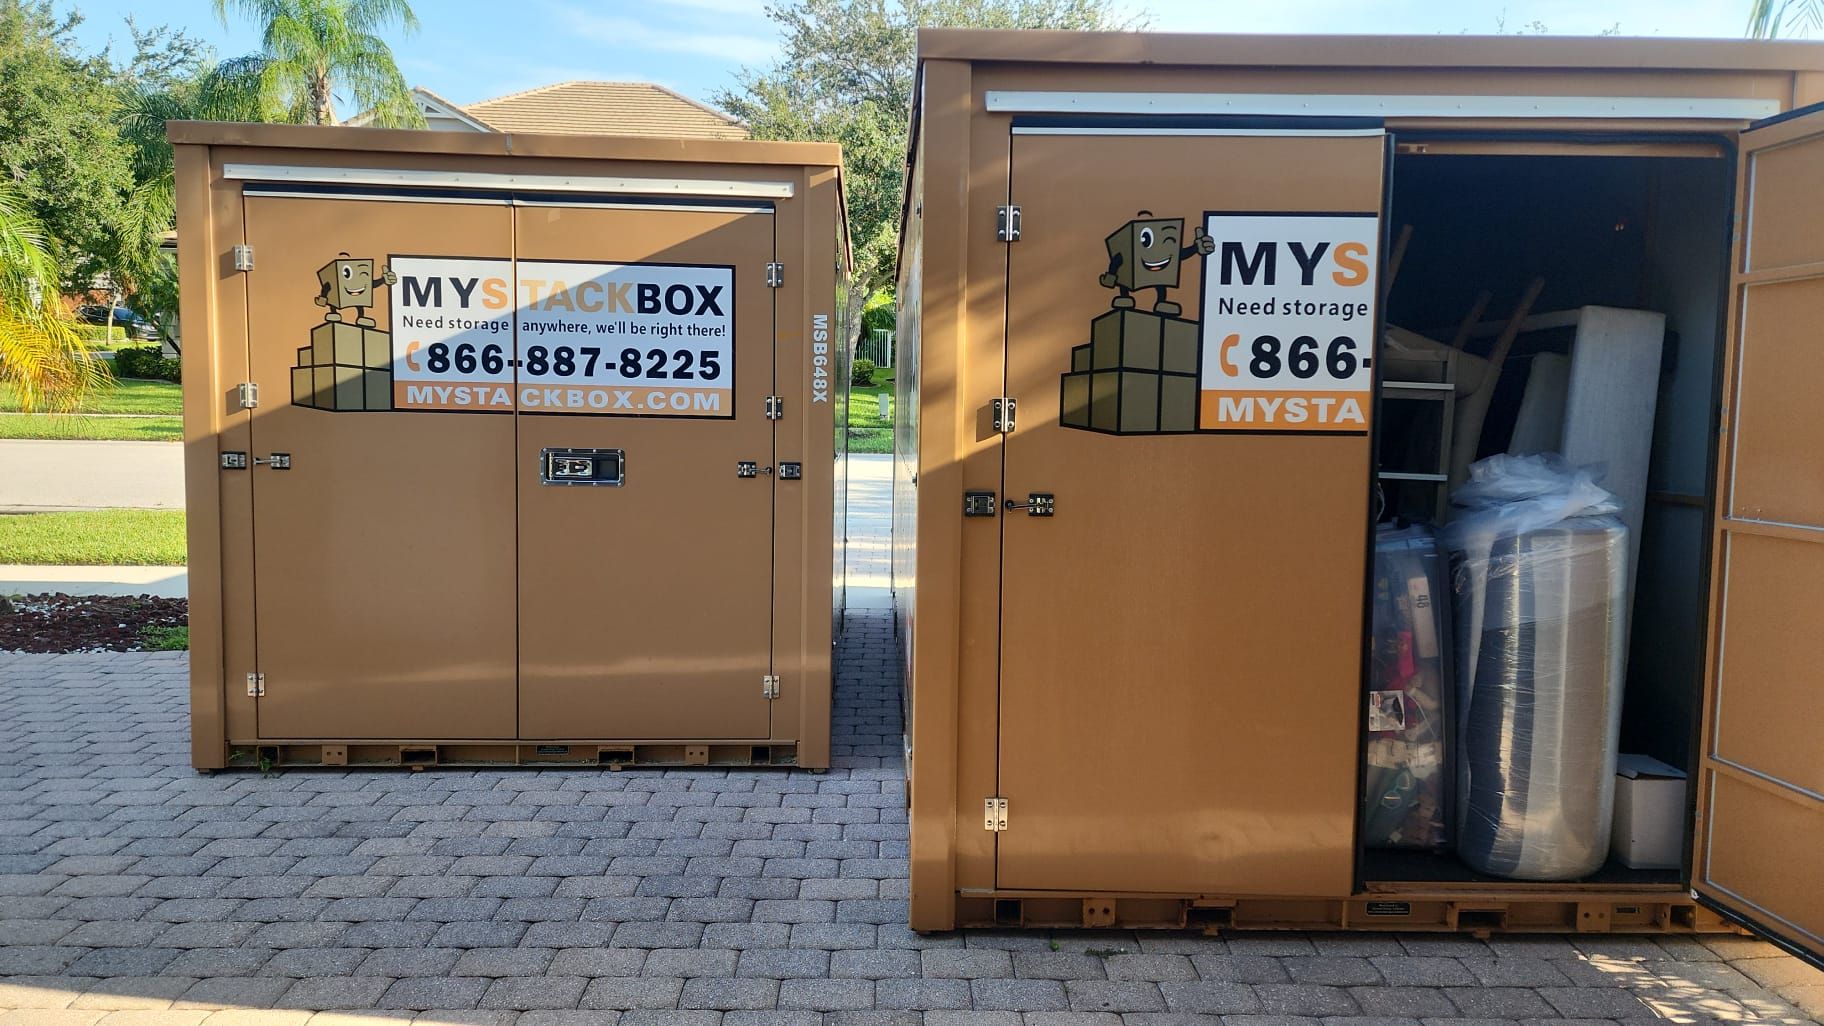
(134, 891)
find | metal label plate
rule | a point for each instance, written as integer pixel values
(582, 467)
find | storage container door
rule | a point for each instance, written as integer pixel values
(383, 526)
(646, 472)
(1190, 323)
(1761, 782)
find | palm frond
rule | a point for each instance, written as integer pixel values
(40, 355)
(46, 365)
(1774, 19)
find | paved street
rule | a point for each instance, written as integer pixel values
(36, 475)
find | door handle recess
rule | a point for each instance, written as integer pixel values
(1037, 504)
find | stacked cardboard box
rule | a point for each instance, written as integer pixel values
(1136, 375)
(345, 367)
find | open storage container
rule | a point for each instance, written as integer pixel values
(1133, 585)
(508, 449)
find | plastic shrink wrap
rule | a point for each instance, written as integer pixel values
(1406, 799)
(1539, 573)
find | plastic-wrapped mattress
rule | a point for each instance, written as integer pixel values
(1541, 628)
(1407, 786)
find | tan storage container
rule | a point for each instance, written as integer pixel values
(508, 449)
(1144, 280)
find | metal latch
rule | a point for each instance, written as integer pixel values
(1037, 504)
(775, 407)
(1001, 413)
(243, 258)
(277, 461)
(234, 461)
(250, 395)
(775, 275)
(1007, 223)
(978, 504)
(747, 468)
(790, 470)
(769, 686)
(256, 685)
(994, 814)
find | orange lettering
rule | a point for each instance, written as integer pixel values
(582, 293)
(1354, 269)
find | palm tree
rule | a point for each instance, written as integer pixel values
(41, 358)
(228, 91)
(313, 48)
(1770, 19)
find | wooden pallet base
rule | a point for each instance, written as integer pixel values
(1656, 910)
(421, 755)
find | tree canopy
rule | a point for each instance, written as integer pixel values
(845, 74)
(86, 193)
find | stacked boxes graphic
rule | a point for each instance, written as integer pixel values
(1136, 375)
(347, 366)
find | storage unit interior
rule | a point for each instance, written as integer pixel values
(1633, 227)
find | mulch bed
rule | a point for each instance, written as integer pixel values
(85, 623)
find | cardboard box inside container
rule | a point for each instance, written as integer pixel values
(1649, 813)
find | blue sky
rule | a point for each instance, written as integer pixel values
(471, 50)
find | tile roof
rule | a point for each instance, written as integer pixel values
(606, 108)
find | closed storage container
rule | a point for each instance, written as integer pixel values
(508, 449)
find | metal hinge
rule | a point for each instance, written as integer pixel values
(1007, 223)
(1001, 414)
(243, 258)
(775, 275)
(775, 407)
(250, 395)
(994, 814)
(234, 461)
(256, 685)
(769, 686)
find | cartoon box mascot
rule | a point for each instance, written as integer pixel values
(1144, 254)
(347, 366)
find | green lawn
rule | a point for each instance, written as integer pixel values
(153, 412)
(126, 395)
(166, 639)
(867, 432)
(99, 429)
(105, 537)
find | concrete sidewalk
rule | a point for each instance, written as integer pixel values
(161, 581)
(870, 531)
(36, 476)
